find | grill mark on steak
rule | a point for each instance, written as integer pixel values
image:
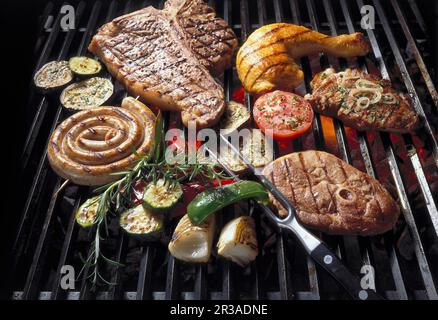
(285, 164)
(341, 166)
(329, 180)
(387, 117)
(303, 167)
(377, 199)
(205, 45)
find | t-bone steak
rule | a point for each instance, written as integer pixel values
(169, 57)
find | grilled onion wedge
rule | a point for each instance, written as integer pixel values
(238, 241)
(192, 243)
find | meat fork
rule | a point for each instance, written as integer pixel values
(317, 249)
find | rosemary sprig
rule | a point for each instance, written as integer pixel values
(116, 195)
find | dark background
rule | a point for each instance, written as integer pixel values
(19, 21)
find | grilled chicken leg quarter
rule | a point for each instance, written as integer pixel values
(265, 62)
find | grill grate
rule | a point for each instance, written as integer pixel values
(48, 238)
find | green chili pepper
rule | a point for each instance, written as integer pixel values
(212, 200)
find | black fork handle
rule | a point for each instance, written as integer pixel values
(333, 265)
(326, 258)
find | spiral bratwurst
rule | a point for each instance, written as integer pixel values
(91, 145)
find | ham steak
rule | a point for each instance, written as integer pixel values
(332, 196)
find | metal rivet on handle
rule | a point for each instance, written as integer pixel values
(328, 259)
(363, 295)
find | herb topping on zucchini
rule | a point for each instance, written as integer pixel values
(53, 75)
(84, 66)
(162, 195)
(87, 94)
(140, 221)
(86, 214)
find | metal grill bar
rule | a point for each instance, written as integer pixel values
(365, 151)
(19, 244)
(41, 24)
(43, 103)
(418, 16)
(257, 289)
(406, 78)
(145, 273)
(406, 207)
(172, 282)
(36, 123)
(416, 52)
(227, 274)
(29, 287)
(284, 277)
(427, 194)
(317, 134)
(33, 275)
(352, 251)
(66, 250)
(350, 242)
(147, 256)
(122, 242)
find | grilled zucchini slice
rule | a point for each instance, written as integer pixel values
(87, 94)
(141, 222)
(53, 75)
(162, 195)
(87, 212)
(84, 66)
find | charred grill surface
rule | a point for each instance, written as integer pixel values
(405, 265)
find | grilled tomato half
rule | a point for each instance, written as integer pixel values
(288, 115)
